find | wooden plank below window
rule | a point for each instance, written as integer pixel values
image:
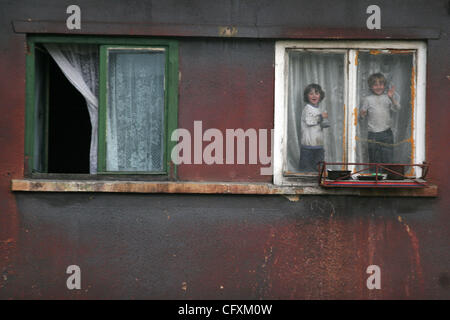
(45, 185)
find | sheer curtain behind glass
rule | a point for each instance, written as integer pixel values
(398, 71)
(135, 110)
(328, 70)
(79, 63)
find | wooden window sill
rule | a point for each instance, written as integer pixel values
(45, 185)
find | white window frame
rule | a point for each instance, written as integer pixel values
(281, 105)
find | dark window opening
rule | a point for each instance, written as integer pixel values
(69, 127)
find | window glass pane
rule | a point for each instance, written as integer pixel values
(384, 126)
(309, 140)
(135, 110)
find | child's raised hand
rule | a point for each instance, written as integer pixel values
(325, 115)
(391, 92)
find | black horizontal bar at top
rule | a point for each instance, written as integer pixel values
(208, 30)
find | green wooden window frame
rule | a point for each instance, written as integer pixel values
(170, 95)
(103, 106)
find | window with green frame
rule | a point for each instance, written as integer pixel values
(137, 103)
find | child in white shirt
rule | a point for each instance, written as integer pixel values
(312, 123)
(377, 107)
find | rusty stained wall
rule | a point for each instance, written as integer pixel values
(210, 246)
(203, 246)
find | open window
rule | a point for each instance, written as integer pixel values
(101, 105)
(351, 124)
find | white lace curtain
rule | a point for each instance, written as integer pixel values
(327, 70)
(79, 63)
(135, 113)
(397, 69)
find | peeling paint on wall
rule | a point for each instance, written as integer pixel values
(228, 31)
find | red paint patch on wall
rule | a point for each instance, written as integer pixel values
(227, 84)
(12, 93)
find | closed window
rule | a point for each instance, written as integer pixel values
(133, 109)
(347, 103)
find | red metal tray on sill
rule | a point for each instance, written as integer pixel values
(375, 184)
(376, 181)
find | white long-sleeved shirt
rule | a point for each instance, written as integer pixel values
(379, 112)
(312, 133)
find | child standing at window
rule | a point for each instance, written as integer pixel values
(312, 123)
(377, 107)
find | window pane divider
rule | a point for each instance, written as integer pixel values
(352, 107)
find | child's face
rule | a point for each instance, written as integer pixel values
(314, 97)
(378, 87)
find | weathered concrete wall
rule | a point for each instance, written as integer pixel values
(202, 246)
(209, 246)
